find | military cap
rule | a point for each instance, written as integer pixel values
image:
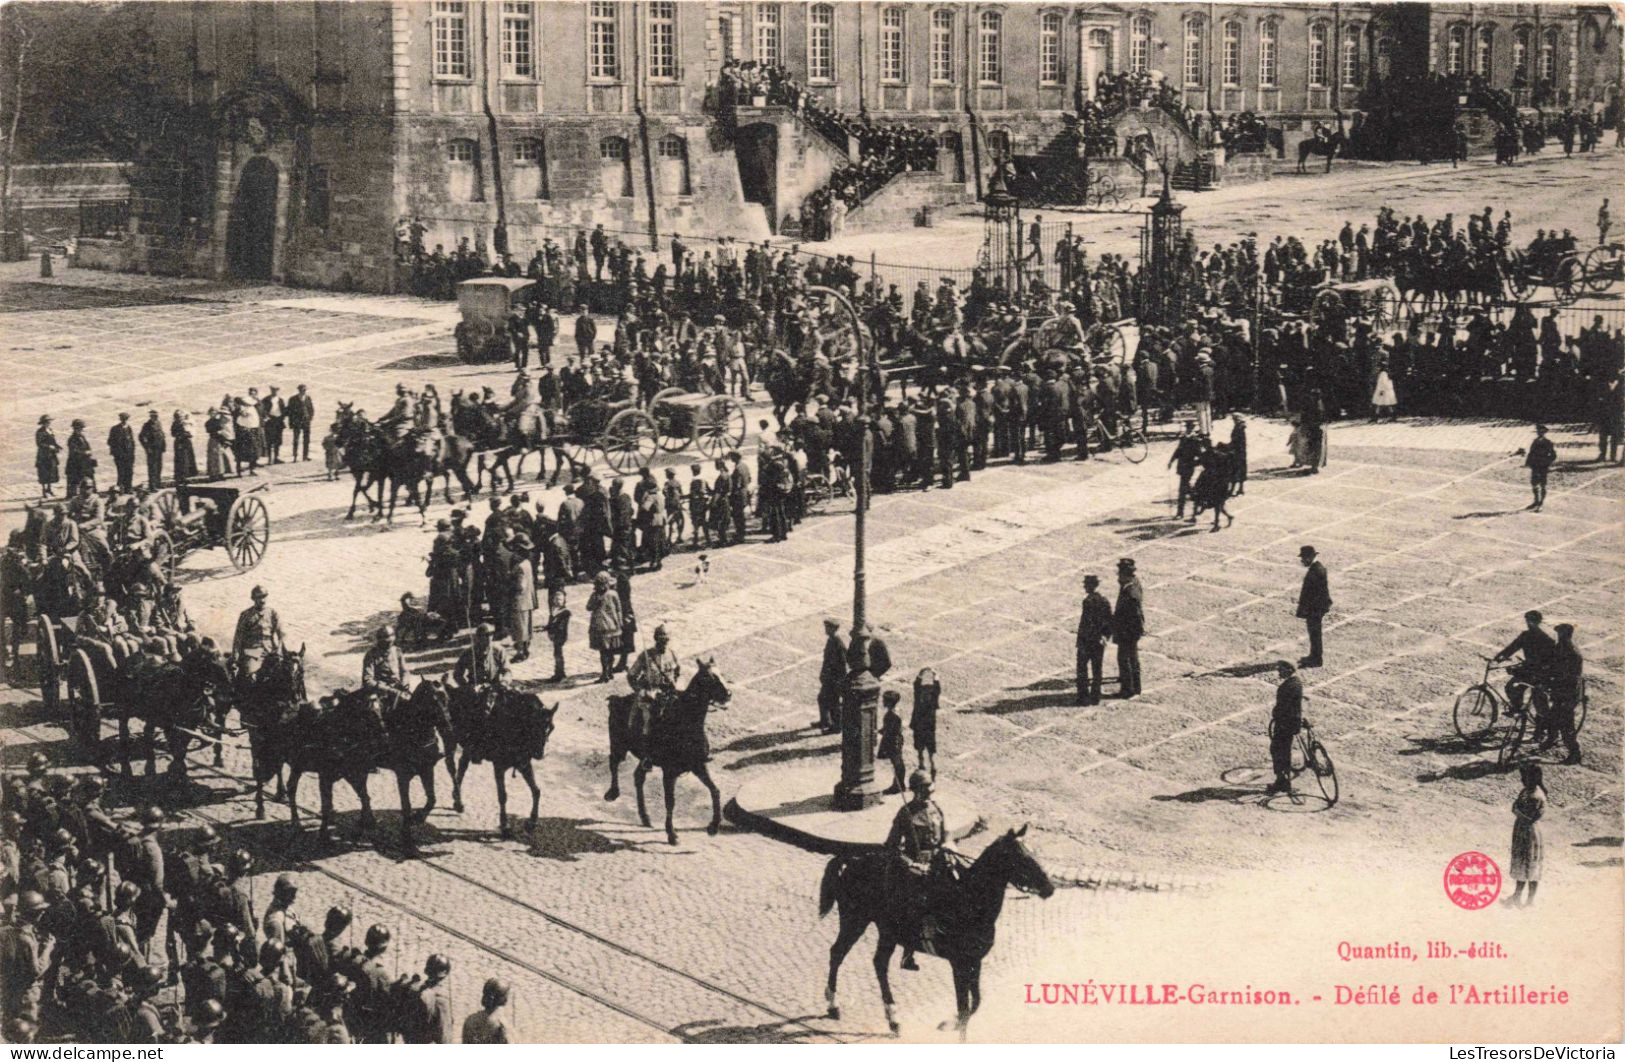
(152, 815)
(1126, 564)
(30, 900)
(437, 965)
(377, 936)
(919, 780)
(284, 886)
(442, 525)
(338, 920)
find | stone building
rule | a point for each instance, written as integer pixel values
(332, 126)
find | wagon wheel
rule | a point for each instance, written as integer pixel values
(719, 426)
(84, 699)
(1568, 280)
(1385, 310)
(1327, 303)
(670, 441)
(163, 554)
(1600, 268)
(48, 659)
(630, 440)
(579, 455)
(1108, 340)
(163, 509)
(1516, 277)
(248, 531)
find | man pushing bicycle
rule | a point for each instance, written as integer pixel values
(1534, 670)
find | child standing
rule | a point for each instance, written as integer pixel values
(891, 740)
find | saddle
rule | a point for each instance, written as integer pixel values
(925, 901)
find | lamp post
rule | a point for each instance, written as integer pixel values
(857, 788)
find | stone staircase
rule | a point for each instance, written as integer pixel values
(910, 198)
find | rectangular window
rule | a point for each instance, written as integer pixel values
(460, 151)
(727, 26)
(1520, 57)
(1455, 60)
(1352, 73)
(318, 197)
(1484, 59)
(1268, 55)
(1317, 57)
(1139, 44)
(821, 43)
(1548, 57)
(1049, 49)
(450, 38)
(663, 40)
(603, 47)
(990, 50)
(1230, 59)
(892, 62)
(1193, 53)
(518, 42)
(942, 46)
(767, 33)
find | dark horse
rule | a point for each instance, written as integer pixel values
(411, 462)
(178, 699)
(267, 703)
(507, 727)
(1334, 145)
(965, 914)
(672, 737)
(417, 728)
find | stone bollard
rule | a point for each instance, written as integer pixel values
(45, 263)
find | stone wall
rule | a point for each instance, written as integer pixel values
(899, 203)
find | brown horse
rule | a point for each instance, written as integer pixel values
(672, 738)
(506, 726)
(964, 912)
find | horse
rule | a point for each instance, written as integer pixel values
(966, 914)
(267, 702)
(345, 740)
(506, 726)
(672, 738)
(487, 433)
(416, 728)
(177, 698)
(1335, 144)
(363, 456)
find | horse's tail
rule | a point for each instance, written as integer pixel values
(832, 879)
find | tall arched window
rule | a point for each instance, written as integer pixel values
(465, 183)
(1139, 44)
(1484, 52)
(990, 49)
(673, 152)
(821, 43)
(1049, 48)
(1455, 53)
(1520, 56)
(1230, 53)
(1350, 62)
(1319, 75)
(1548, 57)
(1269, 54)
(615, 166)
(1195, 51)
(530, 168)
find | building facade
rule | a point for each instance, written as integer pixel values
(336, 124)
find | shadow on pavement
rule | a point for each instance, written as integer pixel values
(788, 1031)
(1207, 794)
(1465, 772)
(1444, 746)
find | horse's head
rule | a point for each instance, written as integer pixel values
(282, 675)
(1010, 859)
(707, 683)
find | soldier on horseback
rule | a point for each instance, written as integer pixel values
(480, 671)
(259, 631)
(383, 669)
(918, 848)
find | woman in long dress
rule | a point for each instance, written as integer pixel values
(604, 628)
(47, 464)
(1383, 399)
(214, 454)
(1528, 850)
(180, 429)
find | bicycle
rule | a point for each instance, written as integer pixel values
(1128, 440)
(1309, 754)
(1480, 706)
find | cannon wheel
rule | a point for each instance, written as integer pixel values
(163, 551)
(1517, 280)
(48, 658)
(719, 426)
(1601, 266)
(84, 699)
(580, 456)
(248, 531)
(163, 509)
(1569, 280)
(630, 440)
(1385, 310)
(668, 442)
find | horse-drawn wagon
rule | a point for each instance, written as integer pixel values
(630, 436)
(197, 516)
(1523, 272)
(487, 304)
(1375, 300)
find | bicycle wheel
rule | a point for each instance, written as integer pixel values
(1320, 761)
(1133, 443)
(1513, 739)
(1475, 713)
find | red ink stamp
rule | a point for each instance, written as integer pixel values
(1472, 881)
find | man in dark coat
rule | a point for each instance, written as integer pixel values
(154, 441)
(831, 678)
(121, 441)
(1094, 631)
(1285, 722)
(1128, 626)
(301, 414)
(1314, 601)
(1183, 461)
(1542, 456)
(586, 333)
(1238, 455)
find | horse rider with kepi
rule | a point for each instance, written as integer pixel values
(653, 675)
(259, 631)
(383, 669)
(917, 844)
(483, 662)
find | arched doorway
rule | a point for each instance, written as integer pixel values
(251, 235)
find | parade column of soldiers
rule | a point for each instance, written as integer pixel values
(128, 932)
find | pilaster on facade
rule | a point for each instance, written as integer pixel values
(400, 69)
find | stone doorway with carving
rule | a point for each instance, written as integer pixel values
(251, 232)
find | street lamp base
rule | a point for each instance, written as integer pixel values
(858, 795)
